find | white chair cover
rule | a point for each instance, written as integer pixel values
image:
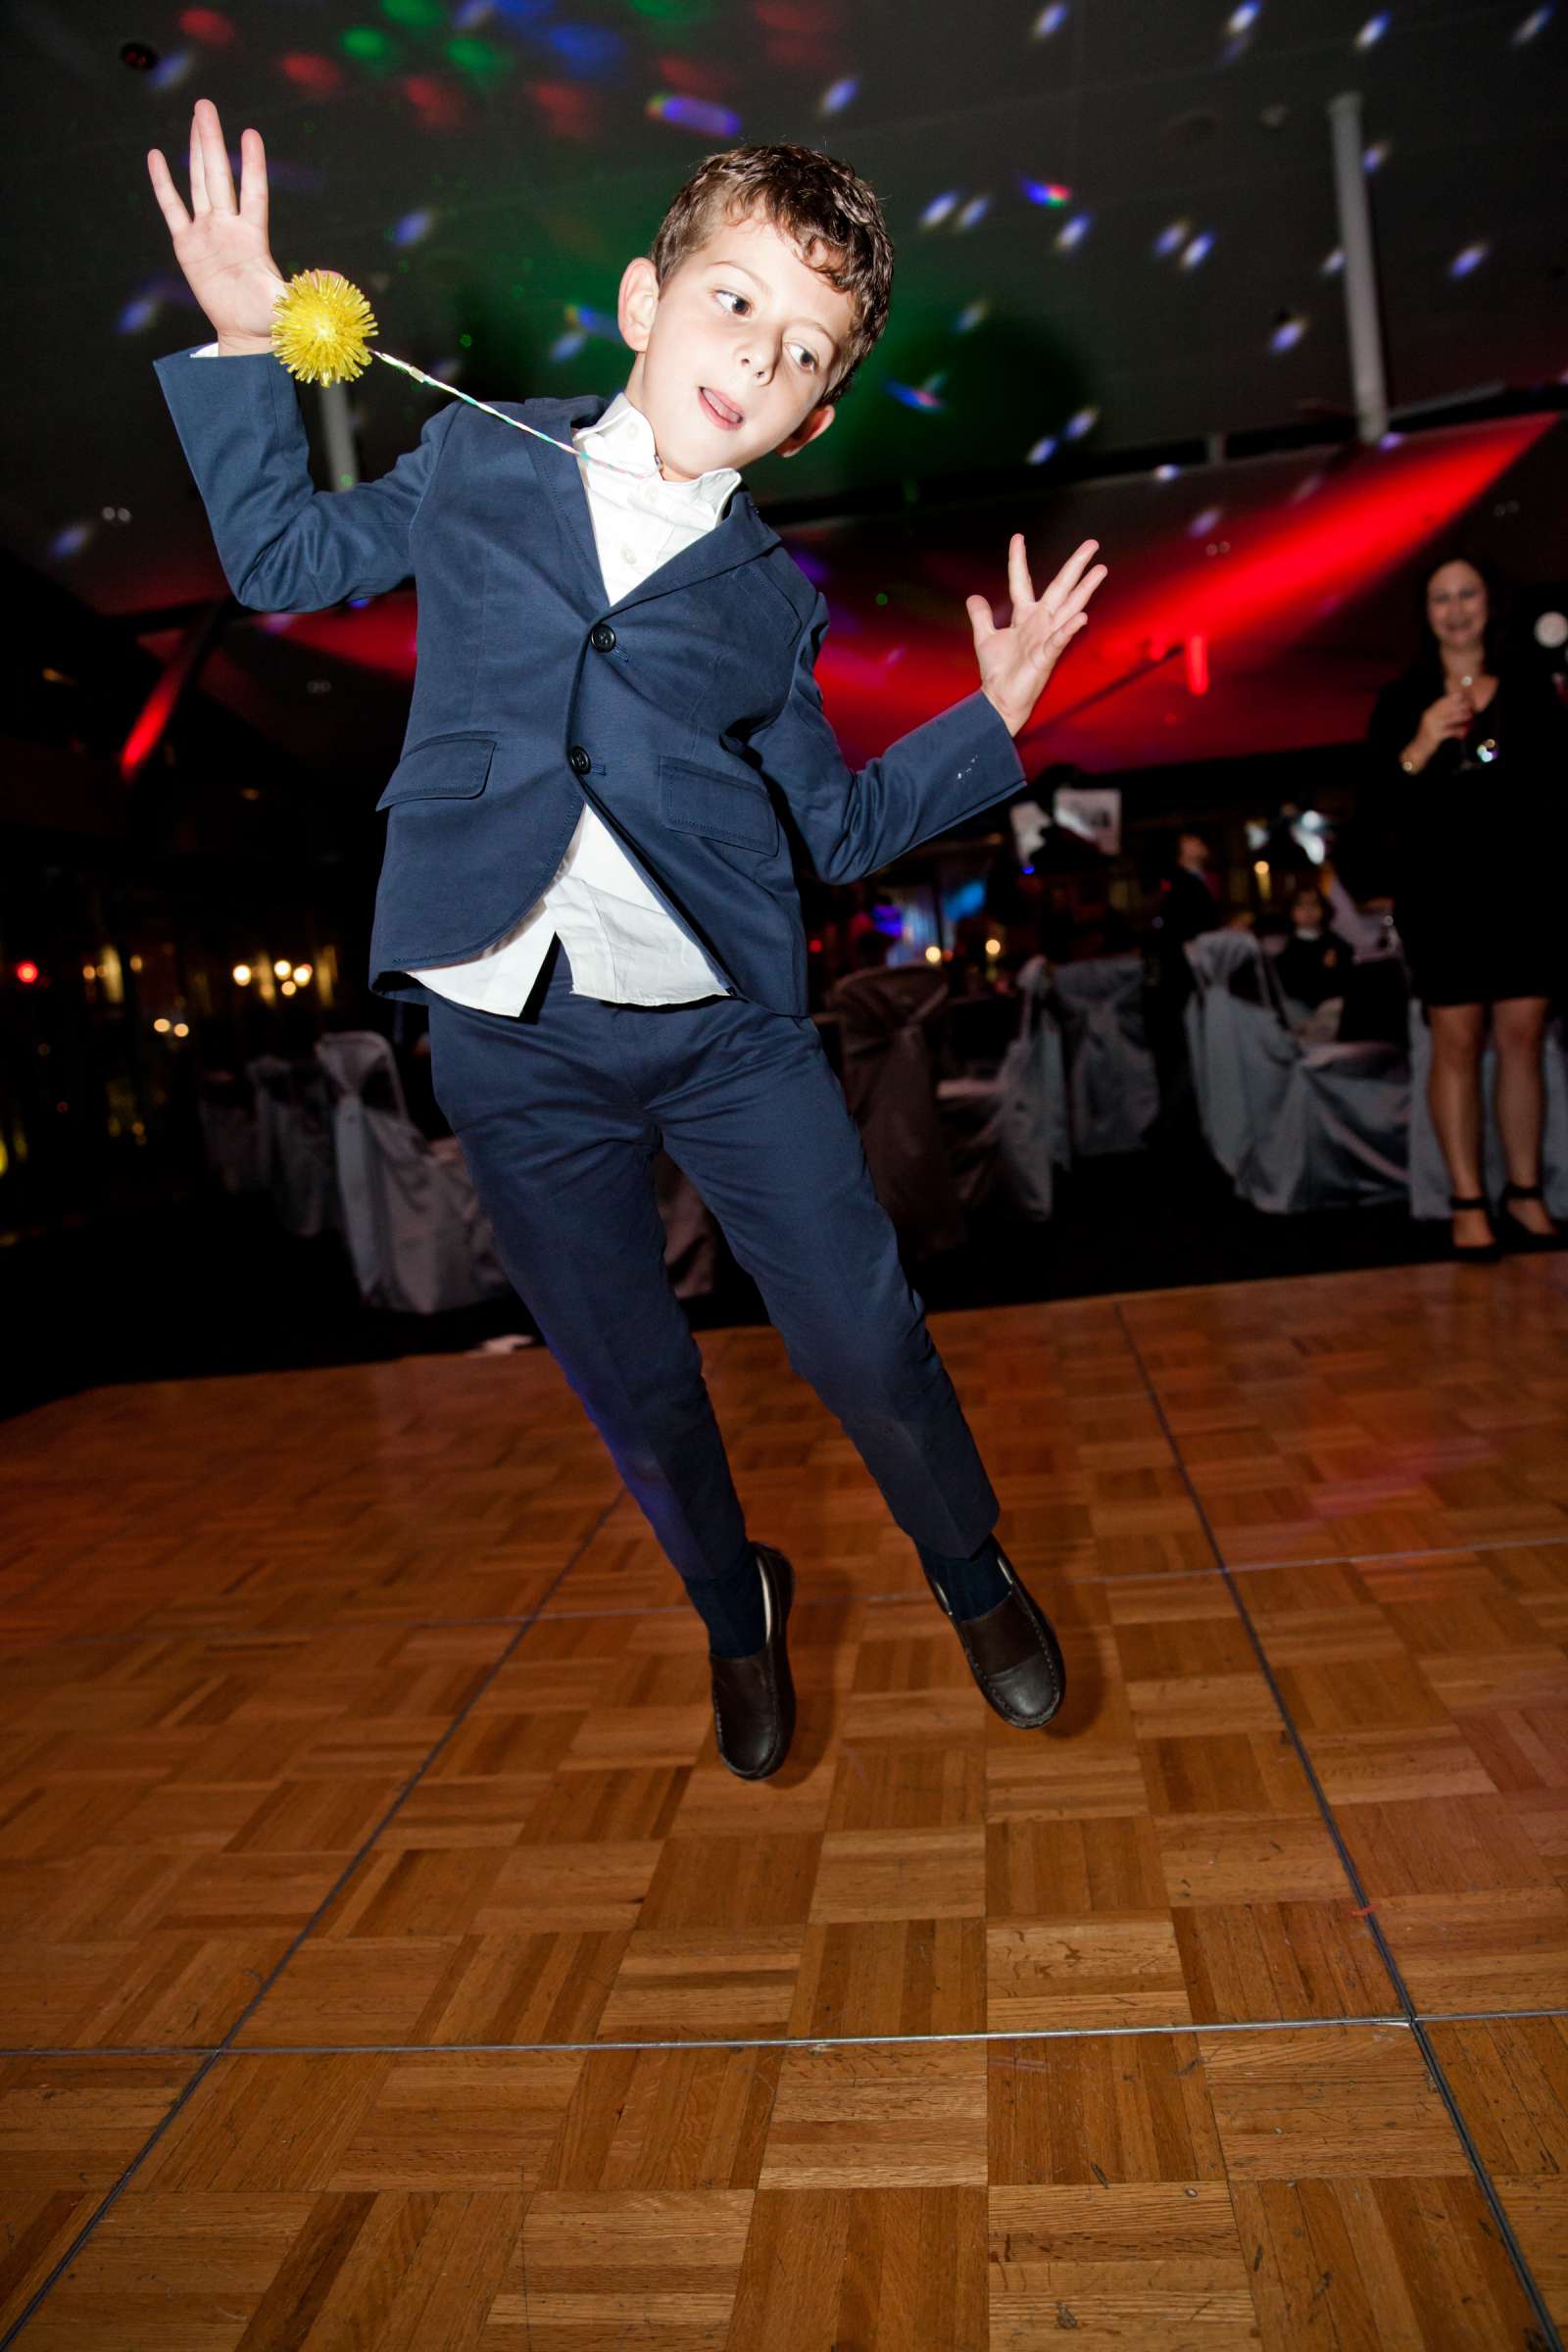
(294, 1155)
(417, 1238)
(1112, 1093)
(1429, 1173)
(1294, 1126)
(225, 1109)
(1010, 1131)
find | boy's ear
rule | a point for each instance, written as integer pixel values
(816, 422)
(637, 303)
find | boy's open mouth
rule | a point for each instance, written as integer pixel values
(720, 409)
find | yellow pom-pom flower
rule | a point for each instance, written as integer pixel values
(319, 327)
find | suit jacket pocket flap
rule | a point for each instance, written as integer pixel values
(698, 799)
(447, 767)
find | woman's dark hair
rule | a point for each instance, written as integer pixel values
(1429, 662)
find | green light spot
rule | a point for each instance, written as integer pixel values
(674, 12)
(467, 341)
(417, 15)
(367, 43)
(481, 61)
(881, 596)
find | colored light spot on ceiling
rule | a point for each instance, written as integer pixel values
(439, 107)
(368, 45)
(308, 70)
(586, 49)
(674, 12)
(481, 61)
(693, 113)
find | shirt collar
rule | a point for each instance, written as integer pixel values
(628, 438)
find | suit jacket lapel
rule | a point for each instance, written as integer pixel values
(739, 534)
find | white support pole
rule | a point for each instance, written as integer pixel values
(342, 455)
(1367, 372)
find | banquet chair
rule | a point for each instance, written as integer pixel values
(1294, 1125)
(418, 1240)
(885, 1019)
(226, 1110)
(294, 1150)
(1112, 1093)
(1007, 1129)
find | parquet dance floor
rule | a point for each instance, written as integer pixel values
(389, 1961)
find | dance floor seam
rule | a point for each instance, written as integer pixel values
(1413, 2018)
(1318, 1774)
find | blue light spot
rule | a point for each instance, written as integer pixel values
(1073, 233)
(584, 48)
(1372, 31)
(1045, 447)
(695, 114)
(1469, 257)
(838, 96)
(1198, 250)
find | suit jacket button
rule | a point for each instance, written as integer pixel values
(580, 761)
(602, 638)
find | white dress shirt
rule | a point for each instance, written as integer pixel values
(621, 943)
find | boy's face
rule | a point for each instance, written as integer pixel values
(743, 318)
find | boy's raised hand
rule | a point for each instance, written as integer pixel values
(1017, 662)
(221, 245)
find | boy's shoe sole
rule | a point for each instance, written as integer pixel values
(753, 1698)
(1011, 1652)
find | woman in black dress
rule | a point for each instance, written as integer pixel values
(1471, 760)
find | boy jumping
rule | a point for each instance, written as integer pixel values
(615, 748)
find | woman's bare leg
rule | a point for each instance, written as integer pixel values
(1519, 1025)
(1453, 1092)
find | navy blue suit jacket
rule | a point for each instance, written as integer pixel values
(687, 714)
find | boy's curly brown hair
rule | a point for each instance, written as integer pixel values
(810, 198)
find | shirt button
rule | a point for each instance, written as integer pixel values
(627, 556)
(579, 758)
(602, 638)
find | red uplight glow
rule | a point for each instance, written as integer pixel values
(28, 974)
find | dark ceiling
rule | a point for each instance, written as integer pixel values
(483, 169)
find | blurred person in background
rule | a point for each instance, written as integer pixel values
(1469, 753)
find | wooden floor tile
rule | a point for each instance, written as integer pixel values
(69, 2128)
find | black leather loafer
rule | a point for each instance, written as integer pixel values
(1012, 1652)
(753, 1698)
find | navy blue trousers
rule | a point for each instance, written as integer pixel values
(559, 1111)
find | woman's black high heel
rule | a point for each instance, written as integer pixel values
(1520, 1236)
(1479, 1253)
